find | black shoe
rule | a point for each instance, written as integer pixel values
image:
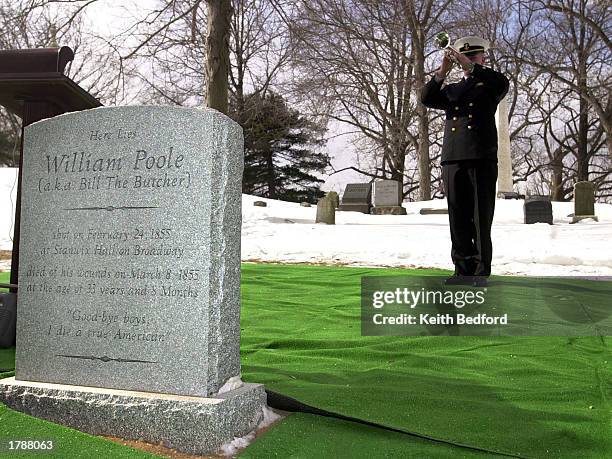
(480, 281)
(459, 280)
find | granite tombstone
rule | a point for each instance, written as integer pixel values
(130, 271)
(537, 209)
(357, 197)
(387, 198)
(584, 201)
(326, 213)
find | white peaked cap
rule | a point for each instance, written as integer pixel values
(470, 44)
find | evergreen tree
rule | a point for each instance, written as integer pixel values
(280, 149)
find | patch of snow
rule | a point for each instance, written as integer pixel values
(233, 447)
(232, 383)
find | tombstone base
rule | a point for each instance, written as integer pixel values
(429, 211)
(388, 210)
(508, 195)
(363, 208)
(577, 218)
(194, 425)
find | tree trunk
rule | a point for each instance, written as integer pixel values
(397, 174)
(423, 142)
(583, 147)
(557, 177)
(217, 53)
(271, 176)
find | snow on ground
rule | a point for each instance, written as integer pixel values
(286, 232)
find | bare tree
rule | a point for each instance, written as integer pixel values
(578, 30)
(537, 56)
(259, 48)
(361, 63)
(173, 42)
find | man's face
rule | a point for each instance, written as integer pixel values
(478, 58)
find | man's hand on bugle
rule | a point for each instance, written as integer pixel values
(445, 67)
(464, 62)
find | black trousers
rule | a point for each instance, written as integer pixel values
(470, 192)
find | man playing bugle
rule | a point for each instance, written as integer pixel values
(469, 154)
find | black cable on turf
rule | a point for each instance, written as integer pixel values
(285, 403)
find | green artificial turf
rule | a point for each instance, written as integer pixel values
(5, 277)
(526, 396)
(67, 443)
(529, 396)
(307, 436)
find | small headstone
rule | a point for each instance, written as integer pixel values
(334, 197)
(387, 198)
(129, 277)
(357, 197)
(305, 204)
(538, 209)
(584, 201)
(325, 211)
(430, 211)
(508, 195)
(260, 204)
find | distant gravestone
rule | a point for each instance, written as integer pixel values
(260, 204)
(431, 211)
(508, 195)
(334, 198)
(387, 198)
(538, 209)
(357, 197)
(326, 213)
(584, 201)
(130, 277)
(305, 204)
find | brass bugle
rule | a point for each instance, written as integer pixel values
(443, 43)
(442, 40)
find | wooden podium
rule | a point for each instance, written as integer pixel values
(33, 86)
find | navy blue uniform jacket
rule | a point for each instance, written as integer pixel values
(469, 130)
